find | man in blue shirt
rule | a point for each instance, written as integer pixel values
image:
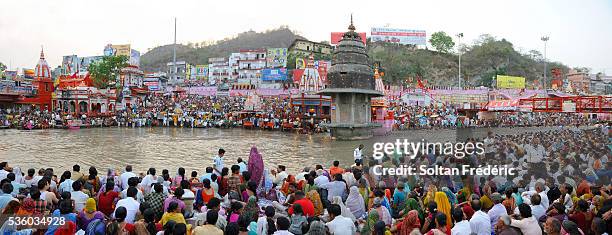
(6, 197)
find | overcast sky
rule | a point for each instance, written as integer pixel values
(580, 31)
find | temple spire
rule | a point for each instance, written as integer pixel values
(42, 53)
(351, 27)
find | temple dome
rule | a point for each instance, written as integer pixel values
(42, 68)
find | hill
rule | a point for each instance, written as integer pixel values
(480, 62)
(156, 59)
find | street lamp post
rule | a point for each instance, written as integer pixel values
(459, 36)
(544, 39)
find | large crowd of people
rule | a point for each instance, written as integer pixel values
(562, 186)
(195, 111)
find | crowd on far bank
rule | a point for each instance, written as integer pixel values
(562, 186)
(274, 113)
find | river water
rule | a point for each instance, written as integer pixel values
(193, 149)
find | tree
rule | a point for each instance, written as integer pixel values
(105, 72)
(2, 68)
(442, 42)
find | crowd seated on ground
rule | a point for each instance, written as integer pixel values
(562, 186)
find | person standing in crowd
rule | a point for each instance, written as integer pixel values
(218, 161)
(358, 154)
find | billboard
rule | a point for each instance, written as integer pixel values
(134, 58)
(510, 82)
(28, 73)
(12, 75)
(119, 50)
(201, 71)
(276, 58)
(337, 36)
(274, 74)
(84, 62)
(152, 85)
(401, 36)
(322, 66)
(70, 64)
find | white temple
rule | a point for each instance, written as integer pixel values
(310, 82)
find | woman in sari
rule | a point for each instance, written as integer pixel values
(313, 195)
(285, 188)
(355, 202)
(451, 196)
(377, 213)
(345, 211)
(413, 204)
(256, 166)
(399, 199)
(444, 206)
(251, 210)
(364, 191)
(410, 222)
(485, 200)
(88, 214)
(431, 192)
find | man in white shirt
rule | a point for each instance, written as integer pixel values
(339, 225)
(4, 170)
(282, 226)
(321, 178)
(358, 154)
(125, 176)
(209, 172)
(480, 222)
(497, 210)
(529, 224)
(130, 204)
(148, 180)
(335, 188)
(242, 165)
(280, 176)
(78, 196)
(463, 226)
(540, 189)
(218, 162)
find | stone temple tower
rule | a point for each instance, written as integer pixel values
(351, 87)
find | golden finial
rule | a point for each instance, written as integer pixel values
(351, 27)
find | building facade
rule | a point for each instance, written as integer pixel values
(218, 70)
(579, 81)
(250, 64)
(307, 47)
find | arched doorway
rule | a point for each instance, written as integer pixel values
(82, 107)
(72, 107)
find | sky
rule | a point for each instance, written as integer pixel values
(579, 31)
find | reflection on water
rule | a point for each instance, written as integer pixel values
(170, 148)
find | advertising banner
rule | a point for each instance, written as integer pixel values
(70, 64)
(134, 58)
(119, 50)
(11, 75)
(84, 62)
(322, 66)
(28, 73)
(510, 82)
(297, 75)
(274, 74)
(337, 36)
(276, 58)
(153, 85)
(401, 36)
(300, 63)
(201, 72)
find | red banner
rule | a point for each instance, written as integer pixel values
(337, 36)
(297, 75)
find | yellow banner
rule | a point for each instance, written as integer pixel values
(122, 50)
(510, 82)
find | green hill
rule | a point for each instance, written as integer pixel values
(156, 59)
